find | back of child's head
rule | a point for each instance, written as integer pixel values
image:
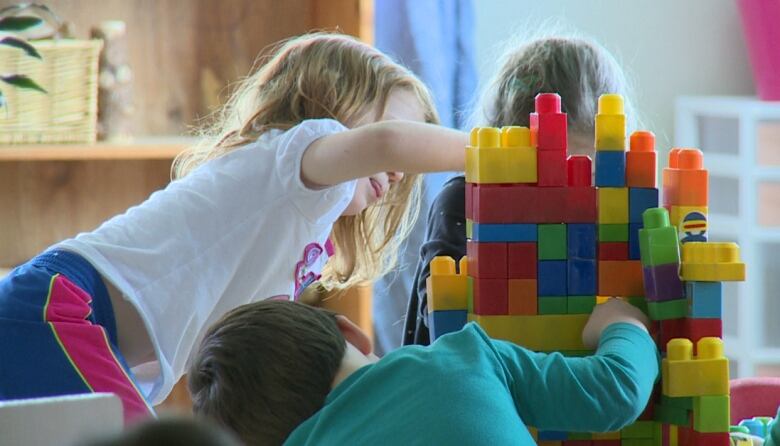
(266, 367)
(577, 69)
(324, 75)
(170, 432)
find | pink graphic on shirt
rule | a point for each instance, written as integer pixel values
(304, 274)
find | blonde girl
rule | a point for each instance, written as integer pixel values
(308, 174)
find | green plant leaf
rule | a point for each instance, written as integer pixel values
(19, 23)
(22, 45)
(22, 81)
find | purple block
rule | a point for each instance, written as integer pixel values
(663, 283)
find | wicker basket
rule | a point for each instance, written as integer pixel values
(68, 113)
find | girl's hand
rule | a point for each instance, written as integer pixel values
(610, 312)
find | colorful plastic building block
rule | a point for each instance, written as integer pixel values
(711, 413)
(522, 296)
(548, 124)
(446, 321)
(639, 429)
(690, 221)
(552, 278)
(662, 282)
(521, 260)
(487, 260)
(533, 332)
(551, 168)
(658, 241)
(552, 305)
(579, 167)
(634, 252)
(491, 296)
(620, 278)
(613, 205)
(705, 299)
(610, 123)
(613, 232)
(581, 276)
(580, 304)
(610, 168)
(640, 200)
(706, 374)
(501, 156)
(711, 262)
(667, 309)
(524, 204)
(692, 329)
(487, 232)
(552, 241)
(613, 251)
(446, 289)
(685, 181)
(581, 241)
(641, 161)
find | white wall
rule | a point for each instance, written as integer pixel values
(668, 47)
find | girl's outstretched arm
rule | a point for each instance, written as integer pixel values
(387, 146)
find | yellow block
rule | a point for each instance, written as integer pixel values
(613, 205)
(673, 435)
(447, 290)
(469, 228)
(677, 213)
(610, 123)
(501, 156)
(711, 262)
(541, 333)
(606, 436)
(684, 375)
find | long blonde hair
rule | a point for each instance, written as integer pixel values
(325, 75)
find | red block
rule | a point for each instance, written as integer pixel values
(580, 170)
(521, 260)
(580, 205)
(551, 168)
(620, 278)
(670, 329)
(551, 132)
(469, 192)
(577, 443)
(693, 438)
(702, 328)
(613, 250)
(487, 260)
(491, 296)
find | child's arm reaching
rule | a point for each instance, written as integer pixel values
(599, 393)
(387, 146)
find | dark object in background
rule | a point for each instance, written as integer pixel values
(170, 432)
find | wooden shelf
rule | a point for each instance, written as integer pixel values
(140, 149)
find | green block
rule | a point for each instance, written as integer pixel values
(551, 242)
(711, 413)
(680, 402)
(580, 304)
(639, 302)
(637, 442)
(470, 294)
(469, 228)
(671, 415)
(613, 232)
(658, 241)
(579, 436)
(670, 309)
(551, 305)
(640, 429)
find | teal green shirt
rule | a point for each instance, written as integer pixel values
(468, 389)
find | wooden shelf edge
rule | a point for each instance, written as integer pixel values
(142, 149)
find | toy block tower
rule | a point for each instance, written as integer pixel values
(545, 245)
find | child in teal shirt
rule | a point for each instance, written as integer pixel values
(282, 372)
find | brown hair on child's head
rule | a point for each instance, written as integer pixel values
(577, 69)
(325, 75)
(266, 367)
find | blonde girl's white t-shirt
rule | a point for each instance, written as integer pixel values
(240, 228)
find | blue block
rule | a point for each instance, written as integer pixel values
(445, 321)
(639, 200)
(581, 277)
(552, 278)
(611, 168)
(494, 232)
(633, 240)
(705, 299)
(551, 436)
(581, 241)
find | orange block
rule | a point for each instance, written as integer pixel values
(522, 296)
(685, 181)
(641, 162)
(621, 278)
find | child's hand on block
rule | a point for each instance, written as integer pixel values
(610, 312)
